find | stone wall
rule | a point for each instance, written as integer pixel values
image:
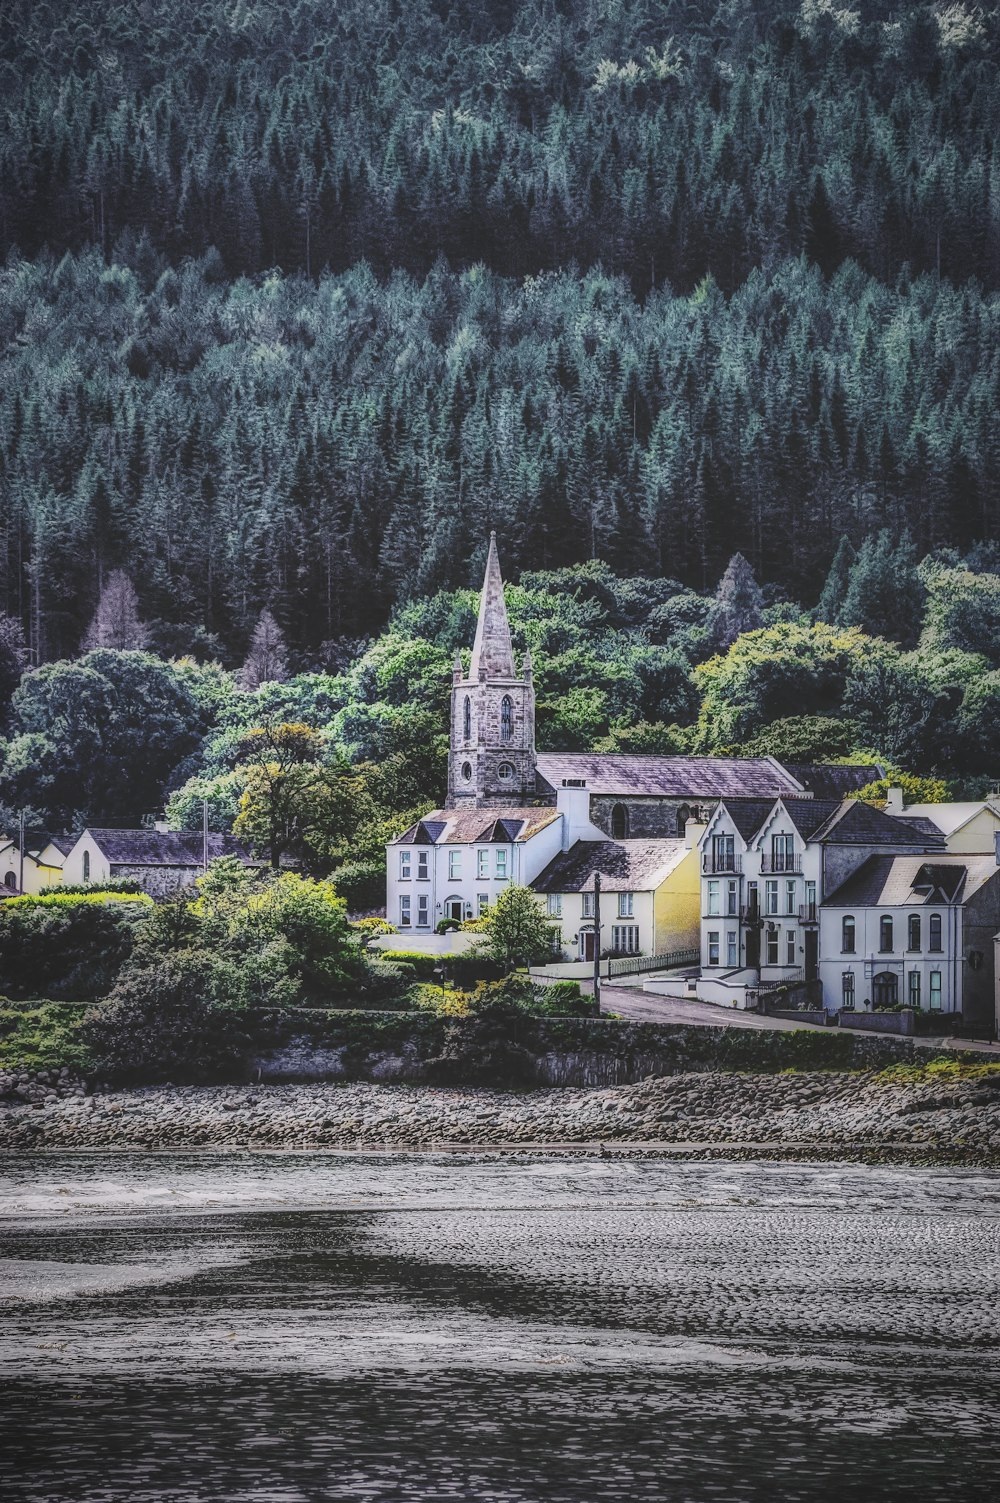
(158, 881)
(648, 818)
(407, 1049)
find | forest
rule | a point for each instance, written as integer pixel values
(301, 299)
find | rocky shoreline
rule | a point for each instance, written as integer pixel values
(808, 1115)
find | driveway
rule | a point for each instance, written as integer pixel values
(646, 1007)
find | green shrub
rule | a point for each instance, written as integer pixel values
(361, 884)
(117, 884)
(43, 1036)
(70, 950)
(562, 999)
(176, 1018)
(79, 897)
(421, 965)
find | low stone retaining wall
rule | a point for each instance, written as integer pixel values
(880, 1022)
(816, 1015)
(407, 1049)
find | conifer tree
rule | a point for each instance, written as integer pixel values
(835, 589)
(884, 595)
(116, 624)
(739, 604)
(13, 661)
(267, 660)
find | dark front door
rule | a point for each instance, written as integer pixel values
(588, 944)
(885, 989)
(812, 954)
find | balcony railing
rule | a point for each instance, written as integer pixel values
(776, 864)
(808, 913)
(721, 863)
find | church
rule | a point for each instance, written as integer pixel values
(511, 810)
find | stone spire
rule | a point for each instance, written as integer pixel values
(492, 654)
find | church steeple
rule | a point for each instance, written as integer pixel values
(492, 653)
(492, 756)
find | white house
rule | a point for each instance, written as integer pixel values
(453, 864)
(765, 871)
(915, 930)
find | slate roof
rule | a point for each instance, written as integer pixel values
(748, 814)
(918, 822)
(164, 848)
(949, 817)
(913, 881)
(624, 773)
(857, 823)
(624, 865)
(476, 826)
(824, 780)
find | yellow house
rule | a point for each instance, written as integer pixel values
(650, 898)
(969, 829)
(44, 856)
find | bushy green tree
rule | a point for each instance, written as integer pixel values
(803, 738)
(774, 674)
(72, 951)
(98, 739)
(515, 930)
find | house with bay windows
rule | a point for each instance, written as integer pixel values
(913, 930)
(766, 868)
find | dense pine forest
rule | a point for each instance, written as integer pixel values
(300, 299)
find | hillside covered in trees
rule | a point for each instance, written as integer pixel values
(300, 299)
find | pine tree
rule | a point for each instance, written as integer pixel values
(832, 598)
(884, 595)
(13, 661)
(267, 660)
(739, 604)
(116, 624)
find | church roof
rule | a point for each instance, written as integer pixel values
(623, 773)
(826, 780)
(492, 653)
(477, 826)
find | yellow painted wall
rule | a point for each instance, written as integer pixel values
(977, 837)
(677, 908)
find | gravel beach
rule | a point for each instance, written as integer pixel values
(822, 1114)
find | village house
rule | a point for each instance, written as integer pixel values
(766, 869)
(968, 828)
(648, 902)
(42, 867)
(916, 931)
(160, 861)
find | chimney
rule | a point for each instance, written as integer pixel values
(894, 801)
(573, 803)
(694, 829)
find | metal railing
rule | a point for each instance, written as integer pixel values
(633, 965)
(721, 863)
(776, 865)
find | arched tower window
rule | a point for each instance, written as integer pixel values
(683, 815)
(467, 718)
(619, 822)
(506, 718)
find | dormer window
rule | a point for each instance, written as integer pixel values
(506, 718)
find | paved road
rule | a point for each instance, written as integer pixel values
(647, 1007)
(630, 1001)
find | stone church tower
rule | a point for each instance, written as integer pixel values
(492, 755)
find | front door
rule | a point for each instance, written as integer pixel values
(588, 944)
(812, 954)
(454, 909)
(885, 989)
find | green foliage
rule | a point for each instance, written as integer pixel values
(43, 1036)
(361, 884)
(70, 949)
(72, 898)
(516, 932)
(884, 595)
(777, 673)
(98, 739)
(802, 738)
(916, 790)
(177, 1018)
(963, 613)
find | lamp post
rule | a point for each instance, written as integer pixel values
(597, 940)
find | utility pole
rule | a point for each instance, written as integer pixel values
(597, 939)
(20, 852)
(204, 834)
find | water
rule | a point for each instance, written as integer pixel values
(309, 1327)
